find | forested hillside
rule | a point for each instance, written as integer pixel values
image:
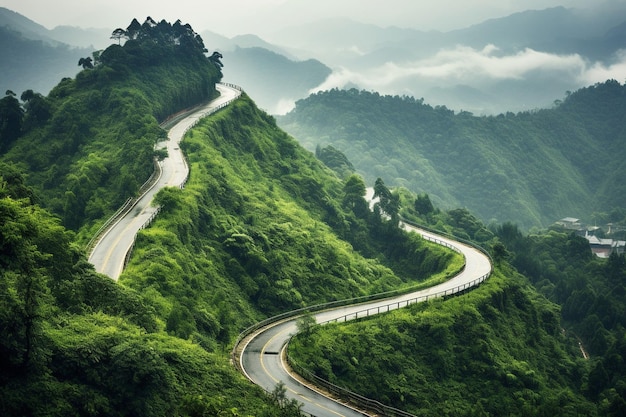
(548, 342)
(88, 145)
(493, 352)
(261, 227)
(530, 168)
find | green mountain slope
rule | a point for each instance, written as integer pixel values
(530, 168)
(498, 350)
(76, 343)
(261, 227)
(88, 145)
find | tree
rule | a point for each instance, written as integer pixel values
(288, 407)
(11, 119)
(132, 31)
(423, 205)
(388, 202)
(23, 288)
(215, 58)
(38, 109)
(305, 324)
(354, 195)
(86, 63)
(118, 34)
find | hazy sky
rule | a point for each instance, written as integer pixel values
(234, 17)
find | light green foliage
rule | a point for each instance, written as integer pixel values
(496, 348)
(252, 234)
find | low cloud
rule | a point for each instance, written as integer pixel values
(600, 72)
(482, 69)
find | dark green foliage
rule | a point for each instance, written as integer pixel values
(591, 292)
(423, 205)
(531, 168)
(335, 160)
(11, 120)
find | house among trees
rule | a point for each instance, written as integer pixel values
(603, 248)
(570, 223)
(600, 246)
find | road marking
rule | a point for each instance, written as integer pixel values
(263, 349)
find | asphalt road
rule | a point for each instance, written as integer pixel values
(261, 357)
(110, 251)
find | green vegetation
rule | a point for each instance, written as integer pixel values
(515, 346)
(258, 231)
(88, 146)
(261, 227)
(76, 343)
(531, 168)
(591, 292)
(474, 355)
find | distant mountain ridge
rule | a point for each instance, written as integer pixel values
(560, 48)
(269, 73)
(33, 57)
(28, 28)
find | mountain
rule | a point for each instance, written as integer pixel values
(271, 74)
(258, 229)
(532, 57)
(88, 171)
(275, 81)
(530, 168)
(29, 29)
(35, 64)
(262, 227)
(33, 56)
(90, 38)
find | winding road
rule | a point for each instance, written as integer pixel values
(261, 353)
(109, 254)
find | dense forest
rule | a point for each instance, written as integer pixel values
(261, 227)
(530, 168)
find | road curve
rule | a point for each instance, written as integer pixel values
(109, 254)
(260, 354)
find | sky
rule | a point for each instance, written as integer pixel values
(236, 17)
